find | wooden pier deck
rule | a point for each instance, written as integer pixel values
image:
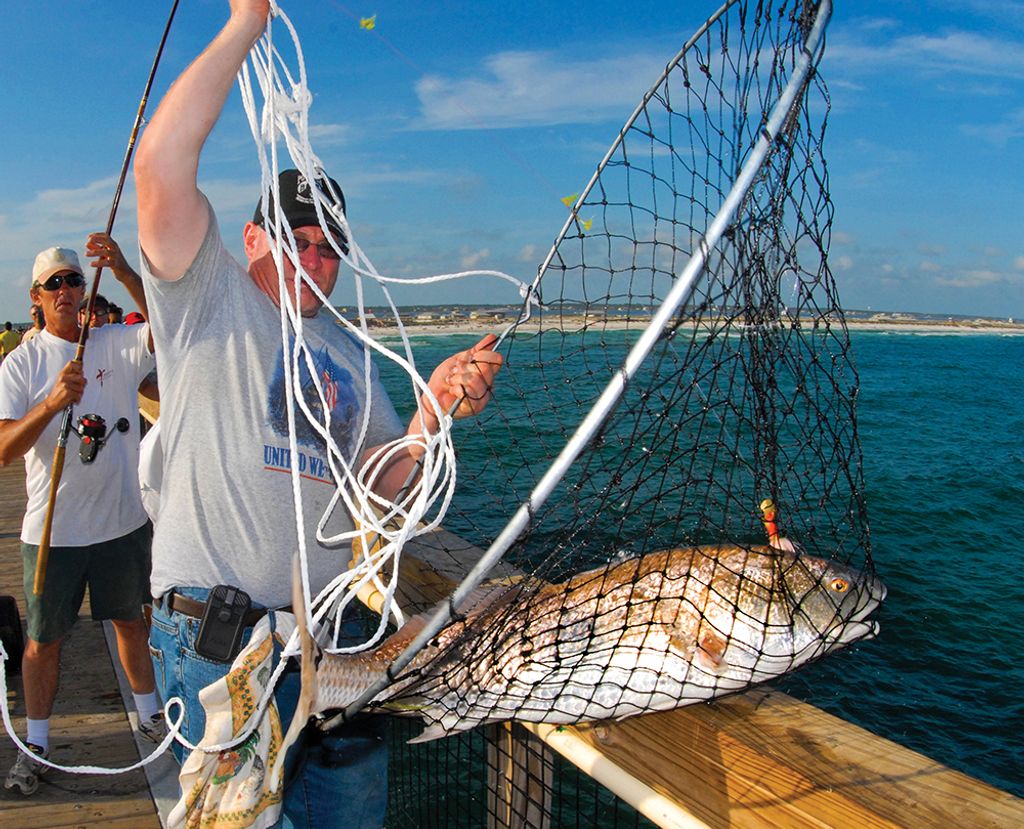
(89, 725)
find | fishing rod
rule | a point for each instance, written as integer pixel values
(57, 469)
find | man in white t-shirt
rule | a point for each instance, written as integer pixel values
(100, 533)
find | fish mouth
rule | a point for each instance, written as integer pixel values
(851, 631)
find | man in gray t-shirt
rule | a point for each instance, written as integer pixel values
(227, 512)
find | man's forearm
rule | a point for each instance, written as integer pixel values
(191, 107)
(394, 475)
(133, 285)
(18, 436)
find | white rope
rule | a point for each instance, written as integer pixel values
(173, 728)
(284, 118)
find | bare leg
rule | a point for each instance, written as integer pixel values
(133, 649)
(40, 670)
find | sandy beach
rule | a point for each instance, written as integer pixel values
(483, 326)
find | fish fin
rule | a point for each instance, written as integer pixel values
(432, 732)
(686, 647)
(783, 544)
(711, 651)
(307, 662)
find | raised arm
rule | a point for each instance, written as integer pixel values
(106, 253)
(172, 215)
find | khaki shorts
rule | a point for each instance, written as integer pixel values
(116, 571)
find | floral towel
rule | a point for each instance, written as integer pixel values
(241, 786)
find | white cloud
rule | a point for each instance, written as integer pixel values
(1018, 263)
(528, 253)
(860, 50)
(519, 89)
(930, 267)
(470, 259)
(843, 263)
(998, 133)
(329, 134)
(972, 279)
(65, 216)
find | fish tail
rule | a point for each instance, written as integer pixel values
(308, 693)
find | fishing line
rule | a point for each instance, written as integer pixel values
(57, 468)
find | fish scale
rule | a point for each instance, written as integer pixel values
(645, 634)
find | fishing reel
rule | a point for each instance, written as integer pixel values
(92, 430)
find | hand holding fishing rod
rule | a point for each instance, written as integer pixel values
(57, 468)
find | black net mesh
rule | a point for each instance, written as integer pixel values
(498, 777)
(747, 397)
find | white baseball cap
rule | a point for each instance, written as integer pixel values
(54, 260)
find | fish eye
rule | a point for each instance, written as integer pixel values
(839, 585)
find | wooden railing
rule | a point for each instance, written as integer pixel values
(759, 759)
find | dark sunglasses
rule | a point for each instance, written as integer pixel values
(72, 280)
(323, 248)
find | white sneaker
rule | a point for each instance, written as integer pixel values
(154, 729)
(25, 772)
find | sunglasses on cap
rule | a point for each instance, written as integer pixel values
(72, 280)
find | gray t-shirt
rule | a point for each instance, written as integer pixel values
(227, 513)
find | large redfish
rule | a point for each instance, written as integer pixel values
(644, 634)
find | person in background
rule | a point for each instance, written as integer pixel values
(100, 312)
(38, 323)
(222, 397)
(114, 314)
(100, 535)
(9, 340)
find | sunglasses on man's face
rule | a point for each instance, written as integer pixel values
(72, 280)
(323, 248)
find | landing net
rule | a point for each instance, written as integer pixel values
(745, 395)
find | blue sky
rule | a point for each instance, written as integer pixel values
(456, 127)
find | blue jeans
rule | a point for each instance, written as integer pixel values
(339, 780)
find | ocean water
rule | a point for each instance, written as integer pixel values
(942, 431)
(941, 424)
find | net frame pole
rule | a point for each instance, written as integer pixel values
(595, 418)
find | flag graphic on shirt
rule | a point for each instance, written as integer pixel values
(330, 388)
(339, 394)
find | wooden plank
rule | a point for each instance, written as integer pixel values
(89, 725)
(754, 760)
(149, 408)
(520, 776)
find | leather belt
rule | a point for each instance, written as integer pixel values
(176, 603)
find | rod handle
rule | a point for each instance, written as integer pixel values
(43, 556)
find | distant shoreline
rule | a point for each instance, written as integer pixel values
(484, 326)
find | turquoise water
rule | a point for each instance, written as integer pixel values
(942, 430)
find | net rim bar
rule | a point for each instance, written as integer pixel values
(585, 432)
(672, 64)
